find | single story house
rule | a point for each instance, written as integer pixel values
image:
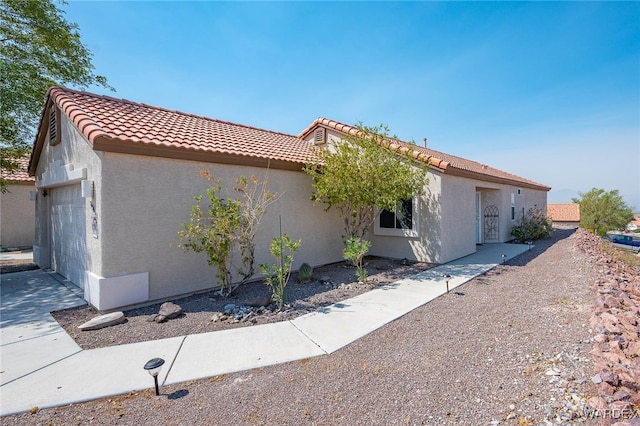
(565, 215)
(17, 209)
(116, 179)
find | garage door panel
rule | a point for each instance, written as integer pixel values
(68, 229)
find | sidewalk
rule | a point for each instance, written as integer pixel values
(41, 366)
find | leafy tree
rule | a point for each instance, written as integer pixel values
(603, 211)
(38, 49)
(227, 226)
(365, 173)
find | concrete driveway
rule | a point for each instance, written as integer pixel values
(30, 337)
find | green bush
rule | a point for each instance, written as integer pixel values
(534, 225)
(305, 273)
(355, 251)
(277, 275)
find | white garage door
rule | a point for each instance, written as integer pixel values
(68, 224)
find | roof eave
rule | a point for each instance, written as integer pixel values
(495, 179)
(106, 144)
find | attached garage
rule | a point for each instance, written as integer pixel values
(68, 229)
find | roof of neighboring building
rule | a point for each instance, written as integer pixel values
(20, 175)
(564, 212)
(446, 162)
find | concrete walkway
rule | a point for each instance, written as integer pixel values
(41, 366)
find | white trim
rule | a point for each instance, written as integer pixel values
(59, 174)
(115, 292)
(42, 256)
(406, 233)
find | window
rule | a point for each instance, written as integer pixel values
(401, 222)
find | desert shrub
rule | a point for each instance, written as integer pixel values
(534, 225)
(305, 273)
(277, 275)
(355, 251)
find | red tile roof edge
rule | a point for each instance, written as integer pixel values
(394, 143)
(435, 158)
(57, 94)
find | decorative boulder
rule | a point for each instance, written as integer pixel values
(260, 301)
(168, 310)
(103, 321)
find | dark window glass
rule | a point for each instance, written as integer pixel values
(402, 218)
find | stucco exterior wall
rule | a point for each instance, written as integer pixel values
(73, 150)
(145, 199)
(504, 197)
(17, 216)
(427, 246)
(458, 217)
(448, 218)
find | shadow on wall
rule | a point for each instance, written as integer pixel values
(429, 245)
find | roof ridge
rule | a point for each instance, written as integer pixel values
(174, 111)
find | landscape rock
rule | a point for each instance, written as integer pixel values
(103, 321)
(168, 310)
(259, 301)
(615, 327)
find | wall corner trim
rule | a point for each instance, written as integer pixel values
(59, 174)
(115, 292)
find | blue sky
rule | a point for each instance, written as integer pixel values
(548, 91)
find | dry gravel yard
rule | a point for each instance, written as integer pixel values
(513, 349)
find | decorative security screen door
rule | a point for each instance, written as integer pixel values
(491, 223)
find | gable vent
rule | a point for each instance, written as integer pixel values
(320, 136)
(54, 126)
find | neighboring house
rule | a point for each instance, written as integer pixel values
(564, 215)
(634, 225)
(17, 210)
(116, 178)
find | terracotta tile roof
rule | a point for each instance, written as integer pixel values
(564, 212)
(120, 125)
(441, 160)
(20, 175)
(107, 121)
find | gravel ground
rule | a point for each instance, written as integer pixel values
(333, 283)
(513, 349)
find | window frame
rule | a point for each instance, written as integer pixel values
(400, 232)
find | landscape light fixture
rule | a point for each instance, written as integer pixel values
(153, 366)
(446, 277)
(504, 257)
(530, 243)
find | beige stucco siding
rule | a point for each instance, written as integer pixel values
(427, 246)
(504, 197)
(74, 150)
(17, 216)
(146, 199)
(458, 231)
